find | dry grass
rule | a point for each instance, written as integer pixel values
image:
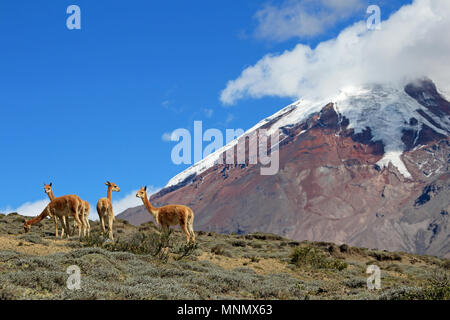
(142, 265)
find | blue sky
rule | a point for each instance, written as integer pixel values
(79, 107)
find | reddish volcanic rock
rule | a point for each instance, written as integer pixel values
(330, 188)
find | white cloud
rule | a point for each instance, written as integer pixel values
(130, 200)
(303, 18)
(229, 118)
(208, 112)
(29, 209)
(412, 43)
(167, 137)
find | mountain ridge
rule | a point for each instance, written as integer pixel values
(344, 175)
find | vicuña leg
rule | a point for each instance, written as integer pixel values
(87, 224)
(65, 225)
(110, 224)
(102, 223)
(62, 229)
(80, 224)
(55, 221)
(191, 229)
(185, 230)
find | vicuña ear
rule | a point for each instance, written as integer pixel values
(50, 184)
(145, 188)
(108, 183)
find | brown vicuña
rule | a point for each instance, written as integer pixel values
(61, 207)
(85, 213)
(48, 190)
(170, 215)
(105, 209)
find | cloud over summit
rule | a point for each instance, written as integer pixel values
(412, 43)
(303, 18)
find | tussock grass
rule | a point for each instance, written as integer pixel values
(145, 264)
(314, 258)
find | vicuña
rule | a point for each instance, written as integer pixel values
(170, 215)
(61, 207)
(105, 209)
(85, 213)
(48, 190)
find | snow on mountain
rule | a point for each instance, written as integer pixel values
(385, 109)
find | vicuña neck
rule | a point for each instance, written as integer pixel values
(150, 208)
(38, 218)
(109, 193)
(51, 196)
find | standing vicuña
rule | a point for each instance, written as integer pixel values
(105, 209)
(61, 207)
(85, 212)
(48, 190)
(170, 215)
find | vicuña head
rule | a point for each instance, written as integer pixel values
(48, 188)
(113, 186)
(26, 226)
(142, 193)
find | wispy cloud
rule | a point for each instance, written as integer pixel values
(172, 106)
(409, 45)
(208, 112)
(128, 201)
(29, 209)
(167, 137)
(131, 201)
(165, 103)
(229, 118)
(303, 18)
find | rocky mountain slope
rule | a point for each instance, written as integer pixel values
(369, 167)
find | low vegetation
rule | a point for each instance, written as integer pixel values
(142, 263)
(316, 259)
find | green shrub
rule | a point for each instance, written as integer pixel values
(436, 288)
(18, 219)
(446, 264)
(159, 246)
(238, 243)
(185, 250)
(256, 244)
(385, 256)
(356, 283)
(33, 238)
(219, 249)
(8, 293)
(394, 267)
(39, 280)
(309, 256)
(263, 236)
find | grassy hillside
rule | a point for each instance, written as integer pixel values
(142, 264)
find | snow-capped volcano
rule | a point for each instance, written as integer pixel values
(368, 166)
(386, 109)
